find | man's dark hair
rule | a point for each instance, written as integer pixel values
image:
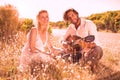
(65, 16)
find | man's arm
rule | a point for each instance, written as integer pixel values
(92, 30)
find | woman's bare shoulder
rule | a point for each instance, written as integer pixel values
(33, 29)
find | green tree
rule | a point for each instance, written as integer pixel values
(25, 24)
(109, 20)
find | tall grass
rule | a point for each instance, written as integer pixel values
(60, 70)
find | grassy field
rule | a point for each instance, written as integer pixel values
(108, 69)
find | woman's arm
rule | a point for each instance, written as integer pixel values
(32, 40)
(53, 50)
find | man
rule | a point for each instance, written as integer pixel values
(82, 28)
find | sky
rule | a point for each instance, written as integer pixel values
(56, 8)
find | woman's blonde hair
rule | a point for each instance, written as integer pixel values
(42, 11)
(38, 16)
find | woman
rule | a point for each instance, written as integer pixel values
(37, 40)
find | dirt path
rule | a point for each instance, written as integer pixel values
(110, 41)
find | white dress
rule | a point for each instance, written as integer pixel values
(27, 57)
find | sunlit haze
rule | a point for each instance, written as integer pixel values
(56, 8)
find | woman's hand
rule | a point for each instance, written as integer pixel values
(56, 51)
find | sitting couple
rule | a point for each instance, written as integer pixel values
(38, 37)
